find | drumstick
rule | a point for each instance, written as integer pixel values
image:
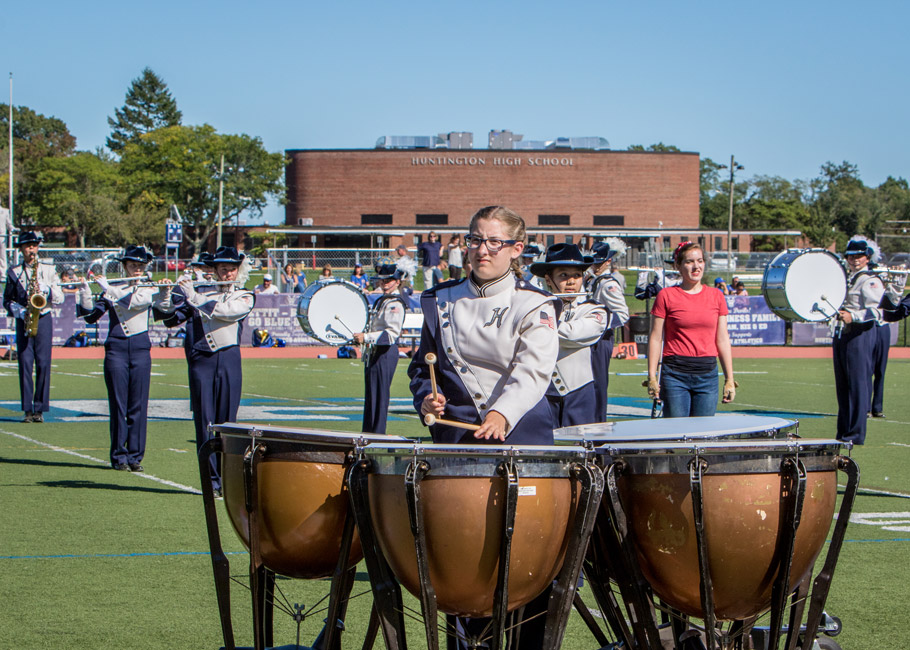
(429, 419)
(344, 325)
(430, 359)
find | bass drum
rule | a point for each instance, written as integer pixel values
(805, 285)
(332, 311)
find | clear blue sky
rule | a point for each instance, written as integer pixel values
(786, 86)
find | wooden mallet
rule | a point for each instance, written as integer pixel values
(429, 419)
(430, 360)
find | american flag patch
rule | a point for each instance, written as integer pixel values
(599, 317)
(546, 319)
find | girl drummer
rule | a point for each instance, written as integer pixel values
(495, 341)
(688, 336)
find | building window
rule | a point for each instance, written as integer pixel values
(552, 220)
(432, 219)
(666, 243)
(375, 220)
(569, 239)
(734, 243)
(550, 240)
(609, 220)
(718, 243)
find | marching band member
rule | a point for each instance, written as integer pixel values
(879, 367)
(215, 315)
(381, 356)
(603, 287)
(689, 335)
(127, 355)
(495, 340)
(581, 324)
(854, 342)
(28, 287)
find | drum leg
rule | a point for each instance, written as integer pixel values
(220, 565)
(706, 586)
(386, 592)
(637, 594)
(793, 492)
(598, 570)
(822, 583)
(501, 597)
(586, 616)
(259, 578)
(342, 584)
(415, 473)
(797, 606)
(591, 479)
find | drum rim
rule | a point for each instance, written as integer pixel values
(577, 433)
(302, 435)
(718, 447)
(304, 301)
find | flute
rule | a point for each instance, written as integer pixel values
(114, 281)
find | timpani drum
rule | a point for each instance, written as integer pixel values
(332, 311)
(727, 426)
(462, 494)
(739, 488)
(805, 285)
(301, 501)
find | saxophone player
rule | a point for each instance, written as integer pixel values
(31, 288)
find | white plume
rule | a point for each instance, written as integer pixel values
(408, 267)
(618, 245)
(876, 250)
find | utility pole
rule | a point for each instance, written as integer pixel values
(733, 167)
(220, 201)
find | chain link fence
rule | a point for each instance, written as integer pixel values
(312, 261)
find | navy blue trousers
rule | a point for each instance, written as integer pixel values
(879, 365)
(127, 375)
(216, 379)
(574, 408)
(853, 355)
(377, 375)
(601, 353)
(34, 353)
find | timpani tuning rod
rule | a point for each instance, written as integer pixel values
(429, 419)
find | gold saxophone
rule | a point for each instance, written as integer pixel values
(36, 302)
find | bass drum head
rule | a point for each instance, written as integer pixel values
(808, 285)
(723, 426)
(333, 311)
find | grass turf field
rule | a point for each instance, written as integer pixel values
(92, 558)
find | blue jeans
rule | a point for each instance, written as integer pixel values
(688, 395)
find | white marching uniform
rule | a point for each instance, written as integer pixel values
(853, 350)
(606, 290)
(571, 391)
(380, 359)
(496, 346)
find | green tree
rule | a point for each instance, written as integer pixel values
(891, 215)
(660, 147)
(35, 137)
(713, 195)
(149, 106)
(180, 165)
(840, 205)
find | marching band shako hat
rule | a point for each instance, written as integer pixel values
(531, 251)
(859, 247)
(602, 253)
(560, 255)
(136, 254)
(227, 255)
(28, 237)
(204, 259)
(387, 272)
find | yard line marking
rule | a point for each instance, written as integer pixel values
(898, 444)
(150, 477)
(111, 555)
(861, 490)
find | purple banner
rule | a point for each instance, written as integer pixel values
(751, 322)
(820, 333)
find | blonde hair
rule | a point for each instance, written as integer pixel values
(512, 223)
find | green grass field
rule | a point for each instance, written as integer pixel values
(92, 558)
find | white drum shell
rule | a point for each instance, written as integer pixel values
(332, 311)
(805, 285)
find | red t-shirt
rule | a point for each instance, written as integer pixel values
(690, 320)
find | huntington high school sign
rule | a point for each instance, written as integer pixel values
(494, 161)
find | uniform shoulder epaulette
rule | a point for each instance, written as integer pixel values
(527, 286)
(443, 285)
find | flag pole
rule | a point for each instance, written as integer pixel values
(11, 146)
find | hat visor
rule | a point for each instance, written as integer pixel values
(540, 269)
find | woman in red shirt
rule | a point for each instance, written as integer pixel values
(688, 336)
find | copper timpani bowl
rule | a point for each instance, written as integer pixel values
(302, 499)
(462, 496)
(741, 487)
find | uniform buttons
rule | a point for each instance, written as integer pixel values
(483, 407)
(554, 373)
(442, 305)
(446, 324)
(464, 370)
(445, 314)
(562, 389)
(557, 381)
(450, 350)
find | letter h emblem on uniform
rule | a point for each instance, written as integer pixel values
(498, 313)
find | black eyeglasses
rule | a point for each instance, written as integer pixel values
(493, 245)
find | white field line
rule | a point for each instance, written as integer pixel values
(144, 475)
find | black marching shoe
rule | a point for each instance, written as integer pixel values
(878, 414)
(120, 467)
(37, 416)
(136, 467)
(217, 492)
(29, 417)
